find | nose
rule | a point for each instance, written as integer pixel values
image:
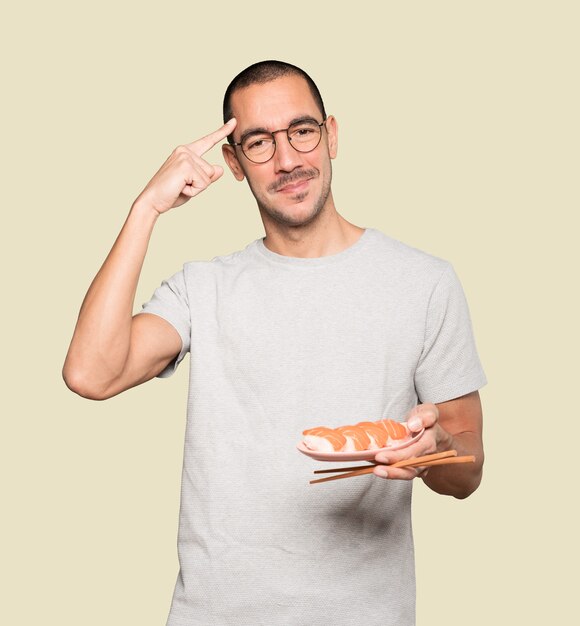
(286, 158)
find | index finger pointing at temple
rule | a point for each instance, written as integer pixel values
(201, 146)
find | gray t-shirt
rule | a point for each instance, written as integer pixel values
(277, 345)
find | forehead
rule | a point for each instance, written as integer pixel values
(274, 104)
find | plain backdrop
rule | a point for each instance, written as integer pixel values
(459, 135)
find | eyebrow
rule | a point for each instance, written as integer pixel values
(260, 129)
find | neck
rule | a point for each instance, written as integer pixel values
(329, 233)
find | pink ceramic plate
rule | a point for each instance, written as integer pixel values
(361, 455)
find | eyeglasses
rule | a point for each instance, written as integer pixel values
(260, 146)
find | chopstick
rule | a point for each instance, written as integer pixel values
(440, 458)
(405, 463)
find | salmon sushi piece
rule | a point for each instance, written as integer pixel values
(323, 439)
(395, 430)
(309, 431)
(376, 433)
(356, 438)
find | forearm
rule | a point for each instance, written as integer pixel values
(101, 340)
(458, 480)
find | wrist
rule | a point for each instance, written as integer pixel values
(145, 211)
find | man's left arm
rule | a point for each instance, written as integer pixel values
(452, 425)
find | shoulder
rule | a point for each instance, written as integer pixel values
(406, 260)
(224, 262)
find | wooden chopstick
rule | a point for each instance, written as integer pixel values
(405, 463)
(443, 458)
(421, 460)
(345, 469)
(449, 461)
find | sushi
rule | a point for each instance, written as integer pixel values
(357, 437)
(324, 439)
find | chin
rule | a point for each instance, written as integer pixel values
(303, 209)
(293, 217)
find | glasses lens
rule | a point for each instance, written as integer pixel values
(258, 147)
(304, 135)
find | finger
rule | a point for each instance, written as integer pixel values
(389, 458)
(199, 178)
(421, 448)
(394, 473)
(213, 171)
(383, 457)
(202, 182)
(218, 172)
(195, 182)
(422, 416)
(201, 146)
(419, 471)
(204, 166)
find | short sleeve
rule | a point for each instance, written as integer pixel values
(449, 366)
(170, 302)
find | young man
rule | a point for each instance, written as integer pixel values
(319, 322)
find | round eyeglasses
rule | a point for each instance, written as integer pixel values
(259, 146)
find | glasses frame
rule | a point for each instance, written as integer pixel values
(280, 130)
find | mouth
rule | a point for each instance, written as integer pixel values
(295, 187)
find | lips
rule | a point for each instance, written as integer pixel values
(295, 187)
(293, 182)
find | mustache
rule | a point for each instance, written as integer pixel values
(292, 177)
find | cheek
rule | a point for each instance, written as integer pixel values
(323, 162)
(257, 183)
(258, 179)
(325, 167)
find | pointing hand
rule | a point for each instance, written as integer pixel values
(185, 173)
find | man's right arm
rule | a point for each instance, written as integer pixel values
(112, 350)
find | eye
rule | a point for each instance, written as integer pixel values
(257, 143)
(303, 130)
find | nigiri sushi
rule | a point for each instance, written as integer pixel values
(324, 439)
(354, 438)
(395, 430)
(376, 433)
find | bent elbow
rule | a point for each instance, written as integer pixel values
(468, 489)
(82, 385)
(462, 495)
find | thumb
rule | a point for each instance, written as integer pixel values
(422, 416)
(218, 172)
(190, 190)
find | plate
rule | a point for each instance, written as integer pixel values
(361, 455)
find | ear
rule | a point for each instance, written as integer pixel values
(230, 157)
(332, 129)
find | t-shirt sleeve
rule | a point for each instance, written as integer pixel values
(170, 302)
(449, 366)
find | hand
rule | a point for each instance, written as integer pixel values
(184, 174)
(434, 439)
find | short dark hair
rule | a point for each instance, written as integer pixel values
(264, 72)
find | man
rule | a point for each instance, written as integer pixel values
(320, 322)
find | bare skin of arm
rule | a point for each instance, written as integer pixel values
(112, 350)
(453, 425)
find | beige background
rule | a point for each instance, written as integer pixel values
(459, 135)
